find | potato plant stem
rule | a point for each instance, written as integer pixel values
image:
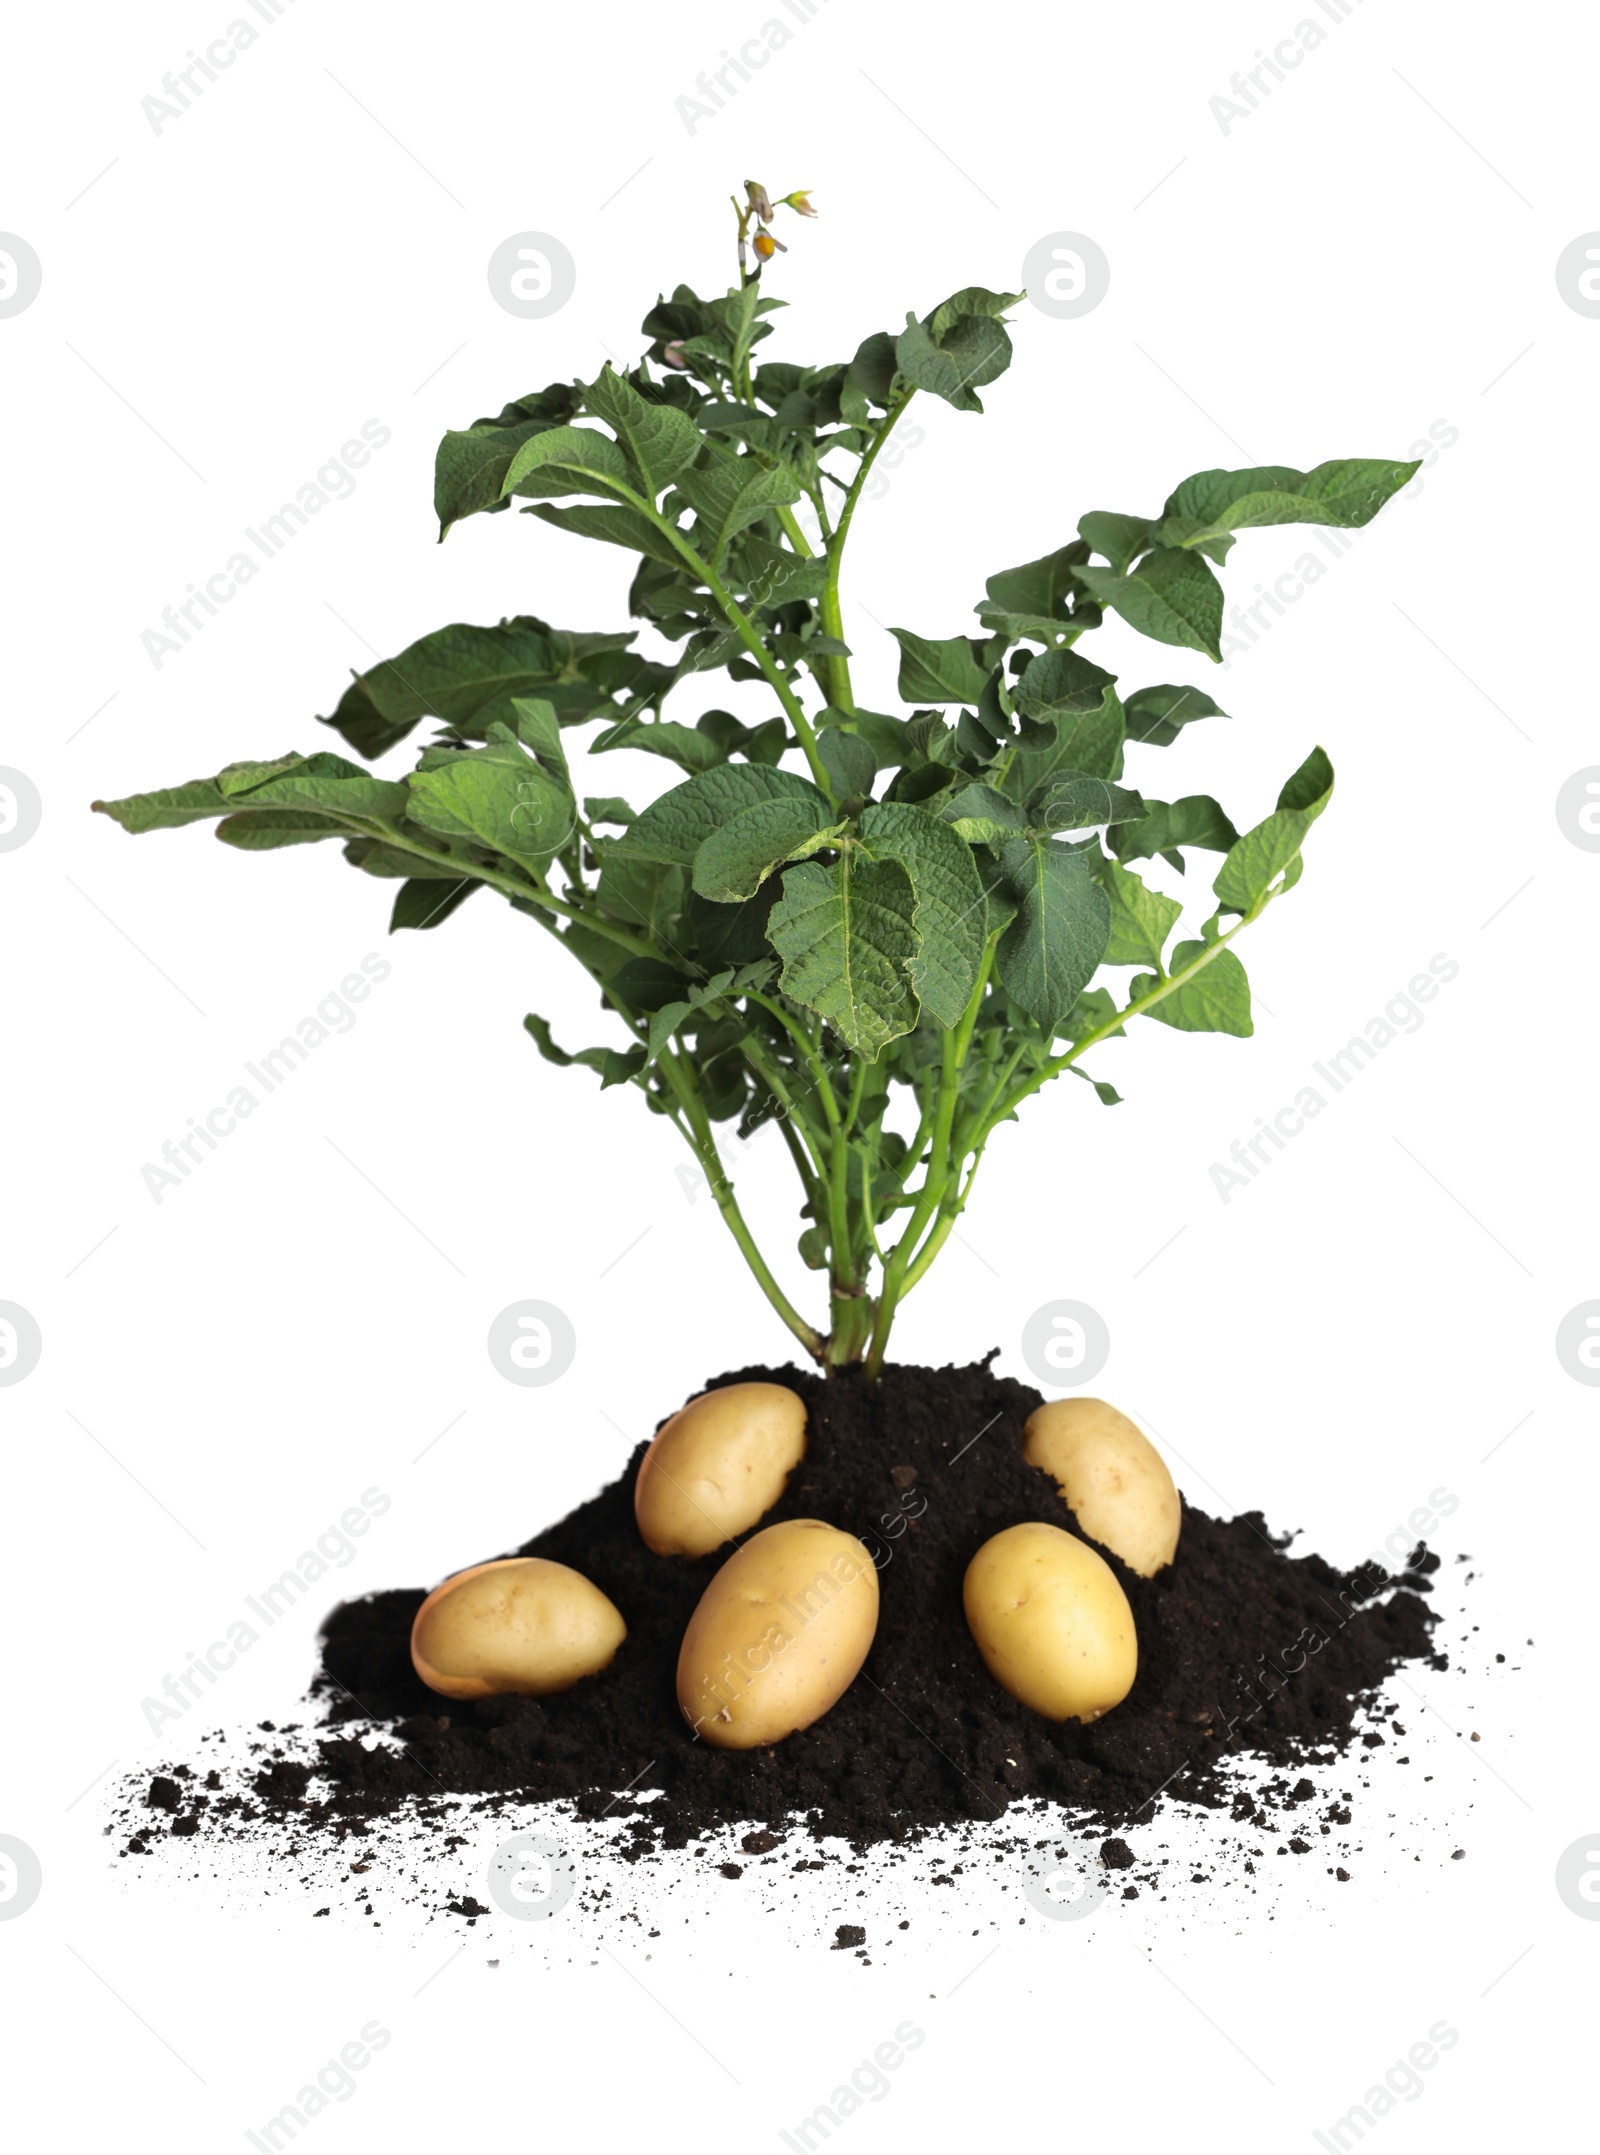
(741, 624)
(953, 1053)
(528, 887)
(1163, 988)
(829, 610)
(680, 1078)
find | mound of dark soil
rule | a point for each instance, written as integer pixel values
(1250, 1660)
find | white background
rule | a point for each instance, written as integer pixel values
(1369, 252)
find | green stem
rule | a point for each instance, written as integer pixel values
(741, 624)
(858, 1085)
(680, 1079)
(803, 1167)
(829, 610)
(954, 1047)
(531, 891)
(930, 1249)
(792, 531)
(977, 1121)
(822, 1084)
(949, 1214)
(933, 1182)
(772, 1078)
(1115, 1022)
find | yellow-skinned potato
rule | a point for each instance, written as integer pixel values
(779, 1635)
(1051, 1622)
(1111, 1475)
(717, 1466)
(520, 1624)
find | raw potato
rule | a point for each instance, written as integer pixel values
(1052, 1623)
(1111, 1475)
(718, 1466)
(779, 1635)
(518, 1624)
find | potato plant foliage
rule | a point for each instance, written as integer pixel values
(837, 919)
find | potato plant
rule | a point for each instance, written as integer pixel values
(881, 931)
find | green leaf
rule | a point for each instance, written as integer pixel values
(288, 801)
(1094, 1008)
(972, 302)
(1263, 854)
(1075, 801)
(999, 906)
(455, 672)
(673, 321)
(959, 347)
(1039, 628)
(763, 743)
(933, 740)
(1196, 820)
(1216, 1000)
(570, 460)
(1156, 715)
(1107, 1095)
(940, 373)
(322, 781)
(424, 903)
(685, 746)
(498, 797)
(647, 984)
(769, 575)
(947, 670)
(545, 1042)
(732, 934)
(269, 828)
(616, 526)
(373, 857)
(671, 598)
(169, 808)
(658, 441)
(733, 862)
(980, 815)
(613, 1066)
(1171, 596)
(608, 808)
(950, 921)
(1347, 492)
(673, 828)
(1050, 951)
(995, 711)
(1041, 587)
(667, 1018)
(620, 1065)
(1141, 918)
(663, 1024)
(868, 379)
(848, 760)
(889, 738)
(726, 1086)
(722, 416)
(534, 722)
(727, 493)
(1074, 723)
(241, 777)
(1119, 538)
(645, 894)
(1060, 681)
(1307, 790)
(470, 467)
(847, 937)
